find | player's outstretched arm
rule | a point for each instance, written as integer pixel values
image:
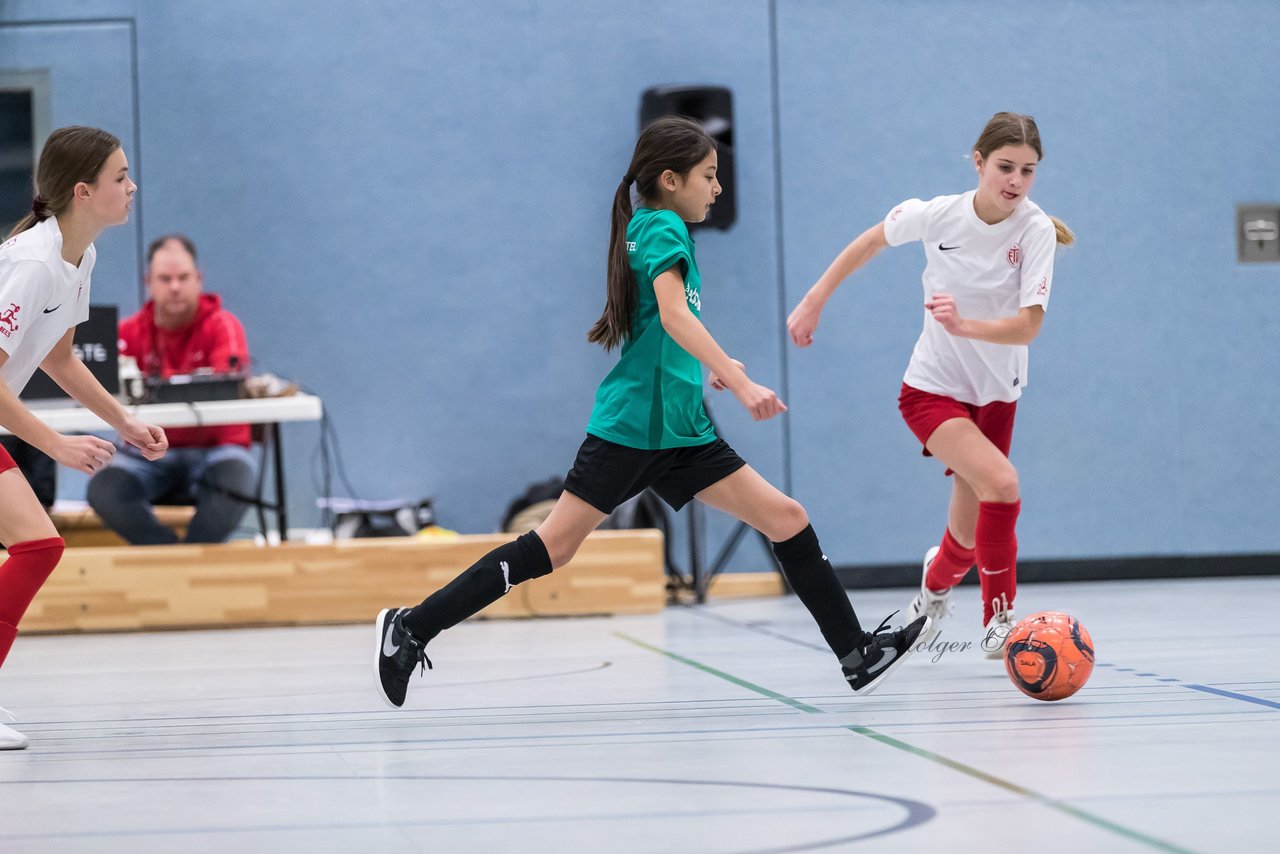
(803, 320)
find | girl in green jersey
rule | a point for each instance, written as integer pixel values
(649, 430)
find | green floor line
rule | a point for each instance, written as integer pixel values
(889, 740)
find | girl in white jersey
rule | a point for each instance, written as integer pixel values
(82, 186)
(986, 285)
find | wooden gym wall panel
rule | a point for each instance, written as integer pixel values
(94, 589)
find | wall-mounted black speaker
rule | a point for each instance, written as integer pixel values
(712, 107)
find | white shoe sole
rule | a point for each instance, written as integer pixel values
(933, 622)
(998, 653)
(888, 671)
(933, 631)
(11, 739)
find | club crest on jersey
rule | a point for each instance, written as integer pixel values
(9, 320)
(1014, 255)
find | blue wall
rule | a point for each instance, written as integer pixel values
(407, 205)
(1147, 426)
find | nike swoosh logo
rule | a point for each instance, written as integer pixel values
(52, 310)
(388, 648)
(993, 571)
(889, 655)
(947, 248)
(506, 575)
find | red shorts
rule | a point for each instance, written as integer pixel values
(923, 412)
(6, 461)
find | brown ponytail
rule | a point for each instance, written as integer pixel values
(620, 301)
(1065, 235)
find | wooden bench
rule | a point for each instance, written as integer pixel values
(104, 589)
(82, 528)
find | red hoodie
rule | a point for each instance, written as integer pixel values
(214, 339)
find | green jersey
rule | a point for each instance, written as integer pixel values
(652, 398)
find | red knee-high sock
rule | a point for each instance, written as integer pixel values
(950, 565)
(996, 545)
(21, 576)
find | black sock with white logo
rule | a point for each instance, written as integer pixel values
(480, 585)
(812, 578)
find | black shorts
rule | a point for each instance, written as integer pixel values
(606, 474)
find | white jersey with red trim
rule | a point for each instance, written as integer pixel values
(992, 271)
(41, 297)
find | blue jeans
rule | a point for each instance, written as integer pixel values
(123, 492)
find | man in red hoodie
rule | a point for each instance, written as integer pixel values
(178, 331)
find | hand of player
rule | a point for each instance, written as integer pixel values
(718, 384)
(943, 308)
(147, 438)
(802, 323)
(86, 454)
(761, 402)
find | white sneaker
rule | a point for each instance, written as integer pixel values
(929, 604)
(998, 628)
(10, 739)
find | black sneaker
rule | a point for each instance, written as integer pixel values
(397, 654)
(886, 651)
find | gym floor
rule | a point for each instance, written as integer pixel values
(720, 728)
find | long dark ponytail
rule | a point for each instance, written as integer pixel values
(671, 142)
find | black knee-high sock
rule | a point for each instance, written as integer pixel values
(481, 584)
(810, 575)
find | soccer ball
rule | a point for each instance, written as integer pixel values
(1049, 655)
